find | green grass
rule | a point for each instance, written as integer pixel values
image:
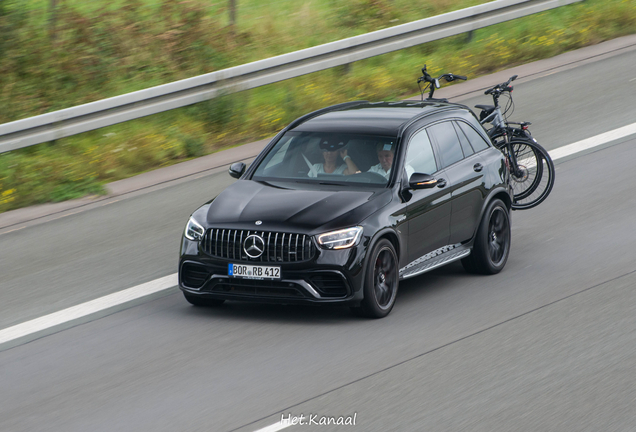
(134, 44)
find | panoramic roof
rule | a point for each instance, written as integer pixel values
(380, 118)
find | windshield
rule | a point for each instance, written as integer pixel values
(329, 157)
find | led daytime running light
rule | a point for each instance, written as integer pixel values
(341, 239)
(194, 231)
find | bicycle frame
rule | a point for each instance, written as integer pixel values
(499, 125)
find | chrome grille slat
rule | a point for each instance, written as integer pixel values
(262, 257)
(303, 248)
(279, 247)
(282, 248)
(289, 248)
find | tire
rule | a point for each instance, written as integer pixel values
(202, 302)
(492, 241)
(380, 282)
(534, 179)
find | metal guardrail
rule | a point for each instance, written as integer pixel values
(106, 112)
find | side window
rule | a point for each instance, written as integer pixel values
(468, 150)
(448, 142)
(419, 156)
(475, 139)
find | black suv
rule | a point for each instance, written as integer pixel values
(348, 200)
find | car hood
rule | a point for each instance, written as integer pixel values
(290, 207)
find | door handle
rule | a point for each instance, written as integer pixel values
(441, 183)
(478, 167)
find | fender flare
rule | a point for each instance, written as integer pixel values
(497, 192)
(375, 239)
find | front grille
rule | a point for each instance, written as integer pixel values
(278, 247)
(329, 284)
(193, 275)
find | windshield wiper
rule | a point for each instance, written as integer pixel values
(331, 184)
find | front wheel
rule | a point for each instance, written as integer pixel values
(380, 282)
(492, 241)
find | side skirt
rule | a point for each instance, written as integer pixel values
(437, 258)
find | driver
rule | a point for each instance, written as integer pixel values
(337, 161)
(386, 152)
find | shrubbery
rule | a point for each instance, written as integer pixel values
(91, 55)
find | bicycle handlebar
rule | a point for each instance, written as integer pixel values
(434, 82)
(503, 87)
(426, 77)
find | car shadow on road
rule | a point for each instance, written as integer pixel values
(432, 283)
(281, 313)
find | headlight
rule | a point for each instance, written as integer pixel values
(340, 239)
(194, 231)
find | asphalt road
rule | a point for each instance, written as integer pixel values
(548, 344)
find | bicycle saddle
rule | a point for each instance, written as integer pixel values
(487, 108)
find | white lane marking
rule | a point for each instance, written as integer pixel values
(65, 318)
(48, 324)
(280, 425)
(592, 142)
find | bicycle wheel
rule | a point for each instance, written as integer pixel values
(533, 179)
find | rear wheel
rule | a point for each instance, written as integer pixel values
(492, 242)
(381, 281)
(533, 178)
(203, 302)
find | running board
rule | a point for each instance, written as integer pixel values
(435, 259)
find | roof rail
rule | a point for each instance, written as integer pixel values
(337, 107)
(447, 106)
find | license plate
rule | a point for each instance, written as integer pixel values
(253, 272)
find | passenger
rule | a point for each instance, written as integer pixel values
(337, 161)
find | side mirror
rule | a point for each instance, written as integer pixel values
(422, 181)
(237, 169)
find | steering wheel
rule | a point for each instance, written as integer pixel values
(366, 177)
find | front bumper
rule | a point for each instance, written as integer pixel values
(329, 277)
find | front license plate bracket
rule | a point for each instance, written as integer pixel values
(248, 271)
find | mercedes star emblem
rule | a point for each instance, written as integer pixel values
(254, 246)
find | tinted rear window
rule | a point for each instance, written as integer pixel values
(448, 142)
(475, 139)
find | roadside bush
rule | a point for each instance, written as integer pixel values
(99, 50)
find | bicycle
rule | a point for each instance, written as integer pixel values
(527, 160)
(531, 167)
